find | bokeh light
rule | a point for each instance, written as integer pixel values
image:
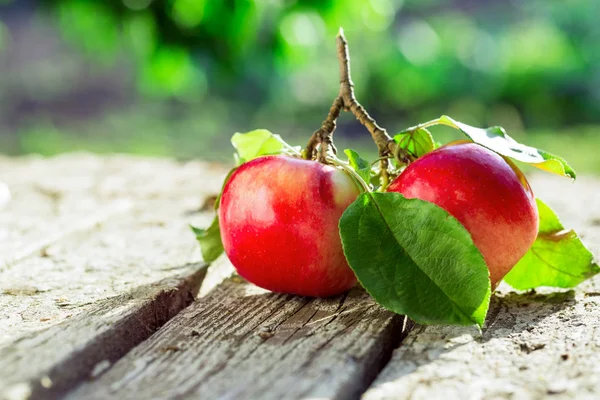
(178, 77)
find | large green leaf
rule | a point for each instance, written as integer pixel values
(416, 259)
(417, 142)
(557, 258)
(258, 143)
(211, 245)
(496, 139)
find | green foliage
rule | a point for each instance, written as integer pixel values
(535, 60)
(417, 142)
(92, 25)
(170, 71)
(221, 66)
(218, 199)
(557, 258)
(360, 165)
(211, 245)
(496, 139)
(259, 142)
(415, 259)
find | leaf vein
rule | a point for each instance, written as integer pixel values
(387, 225)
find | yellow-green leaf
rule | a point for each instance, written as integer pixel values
(557, 258)
(259, 142)
(496, 139)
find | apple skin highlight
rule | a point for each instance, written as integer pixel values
(279, 220)
(485, 192)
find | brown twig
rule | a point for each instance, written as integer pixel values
(324, 135)
(346, 100)
(384, 142)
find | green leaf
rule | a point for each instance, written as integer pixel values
(496, 139)
(211, 245)
(360, 165)
(259, 142)
(218, 199)
(417, 142)
(415, 259)
(557, 258)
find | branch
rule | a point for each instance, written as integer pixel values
(347, 101)
(324, 135)
(322, 138)
(384, 142)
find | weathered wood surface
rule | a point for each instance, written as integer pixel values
(533, 345)
(100, 257)
(240, 342)
(84, 234)
(50, 363)
(143, 239)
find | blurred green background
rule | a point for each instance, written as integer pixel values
(179, 77)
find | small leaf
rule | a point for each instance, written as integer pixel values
(360, 165)
(211, 245)
(557, 258)
(415, 259)
(218, 199)
(259, 142)
(496, 139)
(417, 142)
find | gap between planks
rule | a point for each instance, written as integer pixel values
(302, 359)
(48, 279)
(535, 345)
(243, 342)
(48, 364)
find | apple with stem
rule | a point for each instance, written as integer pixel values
(280, 218)
(279, 225)
(485, 192)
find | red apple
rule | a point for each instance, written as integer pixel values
(487, 193)
(279, 224)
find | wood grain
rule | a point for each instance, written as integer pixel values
(240, 342)
(111, 249)
(48, 364)
(97, 256)
(91, 248)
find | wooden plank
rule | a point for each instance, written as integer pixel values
(71, 275)
(70, 304)
(534, 345)
(41, 213)
(48, 364)
(68, 194)
(142, 243)
(241, 342)
(76, 222)
(56, 197)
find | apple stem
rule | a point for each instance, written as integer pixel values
(433, 122)
(383, 141)
(322, 138)
(324, 135)
(341, 164)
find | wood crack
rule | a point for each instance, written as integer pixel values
(151, 306)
